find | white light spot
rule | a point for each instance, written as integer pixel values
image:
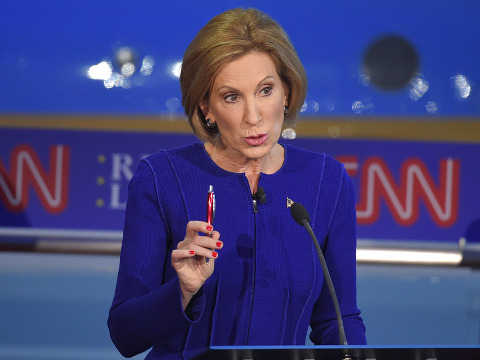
(101, 71)
(173, 103)
(314, 106)
(431, 107)
(147, 66)
(419, 87)
(358, 107)
(304, 107)
(176, 69)
(364, 79)
(128, 69)
(462, 86)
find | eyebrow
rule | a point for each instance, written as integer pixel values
(231, 88)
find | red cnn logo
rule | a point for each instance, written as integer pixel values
(26, 169)
(403, 198)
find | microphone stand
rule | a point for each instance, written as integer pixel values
(328, 279)
(300, 214)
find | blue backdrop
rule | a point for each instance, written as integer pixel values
(47, 48)
(63, 179)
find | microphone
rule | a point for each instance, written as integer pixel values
(261, 195)
(300, 215)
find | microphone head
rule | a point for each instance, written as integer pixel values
(261, 195)
(299, 213)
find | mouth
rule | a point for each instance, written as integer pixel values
(256, 140)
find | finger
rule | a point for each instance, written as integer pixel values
(204, 252)
(215, 235)
(181, 255)
(194, 227)
(212, 242)
(208, 242)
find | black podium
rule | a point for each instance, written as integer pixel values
(341, 353)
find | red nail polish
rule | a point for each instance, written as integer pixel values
(209, 228)
(191, 252)
(214, 254)
(219, 244)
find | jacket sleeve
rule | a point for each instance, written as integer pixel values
(339, 248)
(146, 308)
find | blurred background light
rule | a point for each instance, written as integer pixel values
(419, 87)
(461, 86)
(173, 103)
(115, 80)
(334, 131)
(364, 105)
(176, 69)
(313, 106)
(125, 55)
(304, 107)
(128, 69)
(431, 107)
(364, 79)
(358, 107)
(101, 71)
(147, 65)
(126, 63)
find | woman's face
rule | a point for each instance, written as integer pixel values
(247, 103)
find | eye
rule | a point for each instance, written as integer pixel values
(231, 98)
(267, 90)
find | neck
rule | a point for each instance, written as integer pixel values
(252, 168)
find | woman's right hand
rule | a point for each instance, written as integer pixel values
(194, 258)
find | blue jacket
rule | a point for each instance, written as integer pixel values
(268, 285)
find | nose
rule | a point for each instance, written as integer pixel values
(252, 112)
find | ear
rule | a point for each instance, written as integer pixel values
(204, 107)
(286, 94)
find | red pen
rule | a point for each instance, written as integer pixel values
(210, 206)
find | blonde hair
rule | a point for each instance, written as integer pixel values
(227, 37)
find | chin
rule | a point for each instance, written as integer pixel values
(258, 152)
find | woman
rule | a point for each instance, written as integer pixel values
(179, 291)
